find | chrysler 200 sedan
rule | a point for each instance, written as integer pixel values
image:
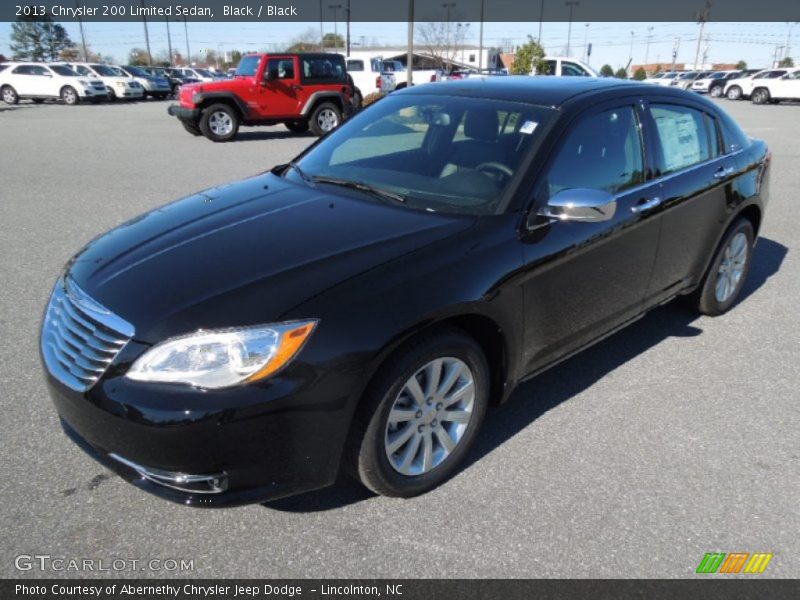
(360, 307)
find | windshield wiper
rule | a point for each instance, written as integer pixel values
(303, 175)
(360, 186)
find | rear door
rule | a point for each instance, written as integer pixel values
(696, 174)
(583, 279)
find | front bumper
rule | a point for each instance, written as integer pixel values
(183, 113)
(212, 448)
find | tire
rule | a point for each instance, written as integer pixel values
(715, 92)
(731, 264)
(9, 95)
(406, 471)
(760, 96)
(219, 123)
(70, 96)
(191, 128)
(358, 99)
(734, 93)
(112, 95)
(37, 100)
(297, 126)
(161, 96)
(325, 118)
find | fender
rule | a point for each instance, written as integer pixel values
(312, 99)
(202, 97)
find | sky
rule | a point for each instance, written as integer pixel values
(611, 42)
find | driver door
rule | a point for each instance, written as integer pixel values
(278, 92)
(585, 278)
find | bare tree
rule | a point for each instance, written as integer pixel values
(437, 40)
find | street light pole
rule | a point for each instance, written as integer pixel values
(321, 32)
(335, 8)
(586, 43)
(83, 37)
(447, 6)
(630, 56)
(146, 37)
(702, 17)
(188, 52)
(541, 18)
(348, 27)
(480, 41)
(571, 4)
(410, 50)
(647, 47)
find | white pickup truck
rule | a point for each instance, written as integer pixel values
(368, 76)
(401, 74)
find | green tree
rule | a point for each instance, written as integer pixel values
(236, 57)
(658, 69)
(138, 57)
(333, 40)
(741, 65)
(38, 38)
(621, 73)
(786, 63)
(606, 71)
(639, 74)
(529, 58)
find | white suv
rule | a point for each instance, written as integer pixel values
(737, 89)
(117, 86)
(786, 87)
(40, 82)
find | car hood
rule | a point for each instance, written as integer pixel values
(245, 253)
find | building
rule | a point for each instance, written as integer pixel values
(461, 57)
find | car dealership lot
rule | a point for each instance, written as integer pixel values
(673, 438)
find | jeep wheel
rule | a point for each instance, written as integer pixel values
(326, 117)
(358, 99)
(69, 96)
(9, 95)
(297, 126)
(219, 123)
(191, 127)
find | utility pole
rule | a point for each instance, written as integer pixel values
(169, 41)
(410, 50)
(146, 37)
(321, 32)
(188, 52)
(702, 17)
(647, 47)
(480, 41)
(83, 37)
(348, 28)
(675, 47)
(586, 42)
(335, 7)
(541, 18)
(447, 6)
(630, 56)
(570, 4)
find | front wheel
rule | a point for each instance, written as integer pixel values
(419, 417)
(760, 96)
(9, 95)
(325, 118)
(728, 270)
(70, 96)
(219, 123)
(715, 92)
(734, 93)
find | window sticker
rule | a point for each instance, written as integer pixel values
(528, 127)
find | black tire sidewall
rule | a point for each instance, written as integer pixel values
(708, 303)
(207, 112)
(314, 126)
(373, 467)
(297, 126)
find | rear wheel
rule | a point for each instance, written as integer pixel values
(728, 270)
(734, 93)
(191, 128)
(325, 117)
(297, 126)
(219, 123)
(419, 417)
(9, 95)
(358, 99)
(69, 96)
(760, 96)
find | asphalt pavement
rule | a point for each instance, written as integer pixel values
(675, 437)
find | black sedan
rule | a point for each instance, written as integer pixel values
(361, 307)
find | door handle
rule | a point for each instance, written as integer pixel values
(646, 205)
(296, 87)
(723, 172)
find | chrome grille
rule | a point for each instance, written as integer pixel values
(80, 337)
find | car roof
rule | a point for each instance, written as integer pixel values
(544, 90)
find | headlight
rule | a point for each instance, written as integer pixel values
(119, 83)
(221, 358)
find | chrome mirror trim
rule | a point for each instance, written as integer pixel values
(580, 204)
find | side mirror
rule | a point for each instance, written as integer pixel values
(580, 204)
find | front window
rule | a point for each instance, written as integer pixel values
(280, 68)
(439, 153)
(105, 71)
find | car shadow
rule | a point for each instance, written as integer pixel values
(257, 136)
(534, 398)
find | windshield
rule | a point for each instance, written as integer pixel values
(136, 72)
(105, 71)
(248, 66)
(440, 153)
(204, 72)
(670, 76)
(64, 71)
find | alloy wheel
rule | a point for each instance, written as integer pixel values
(9, 96)
(716, 91)
(327, 119)
(731, 269)
(220, 123)
(430, 416)
(69, 96)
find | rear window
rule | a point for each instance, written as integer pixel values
(683, 135)
(355, 65)
(323, 69)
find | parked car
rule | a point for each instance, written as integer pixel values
(302, 91)
(775, 90)
(567, 67)
(667, 79)
(368, 77)
(154, 86)
(40, 82)
(117, 86)
(714, 83)
(362, 306)
(197, 73)
(400, 73)
(740, 88)
(653, 78)
(684, 80)
(174, 76)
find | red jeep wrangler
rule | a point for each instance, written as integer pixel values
(302, 91)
